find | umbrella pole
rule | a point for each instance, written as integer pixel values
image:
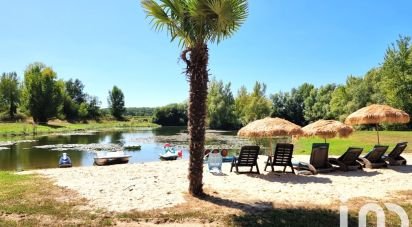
(377, 132)
(271, 148)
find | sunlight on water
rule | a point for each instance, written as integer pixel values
(28, 154)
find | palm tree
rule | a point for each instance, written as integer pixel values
(195, 23)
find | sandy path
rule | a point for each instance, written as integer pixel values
(163, 184)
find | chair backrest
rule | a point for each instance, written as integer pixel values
(215, 161)
(376, 154)
(397, 150)
(351, 155)
(283, 154)
(319, 155)
(224, 152)
(207, 151)
(170, 149)
(248, 155)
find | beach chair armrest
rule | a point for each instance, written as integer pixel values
(394, 162)
(332, 159)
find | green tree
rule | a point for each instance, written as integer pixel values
(73, 97)
(116, 103)
(280, 105)
(93, 107)
(373, 80)
(355, 94)
(70, 107)
(298, 99)
(254, 105)
(171, 115)
(397, 74)
(259, 106)
(339, 101)
(83, 111)
(74, 89)
(195, 23)
(241, 102)
(317, 105)
(360, 93)
(221, 106)
(290, 106)
(42, 91)
(9, 93)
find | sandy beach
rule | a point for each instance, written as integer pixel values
(155, 185)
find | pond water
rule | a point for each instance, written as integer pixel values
(26, 155)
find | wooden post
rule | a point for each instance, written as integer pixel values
(377, 132)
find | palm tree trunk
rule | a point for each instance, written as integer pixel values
(198, 78)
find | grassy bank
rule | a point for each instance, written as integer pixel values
(30, 200)
(26, 129)
(365, 139)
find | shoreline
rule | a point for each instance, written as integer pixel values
(157, 185)
(23, 130)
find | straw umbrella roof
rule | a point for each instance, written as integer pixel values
(327, 129)
(270, 127)
(375, 114)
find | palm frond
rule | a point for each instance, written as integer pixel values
(219, 18)
(197, 21)
(231, 15)
(166, 15)
(174, 6)
(154, 10)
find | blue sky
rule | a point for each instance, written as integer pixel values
(283, 44)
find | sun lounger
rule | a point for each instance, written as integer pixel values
(348, 161)
(282, 157)
(247, 158)
(394, 158)
(373, 159)
(319, 157)
(319, 162)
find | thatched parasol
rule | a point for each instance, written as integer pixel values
(270, 127)
(327, 129)
(376, 114)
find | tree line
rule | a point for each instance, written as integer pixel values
(388, 83)
(43, 96)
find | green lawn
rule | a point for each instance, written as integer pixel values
(30, 200)
(364, 139)
(21, 129)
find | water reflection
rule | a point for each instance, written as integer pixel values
(24, 156)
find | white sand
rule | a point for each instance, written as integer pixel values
(163, 184)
